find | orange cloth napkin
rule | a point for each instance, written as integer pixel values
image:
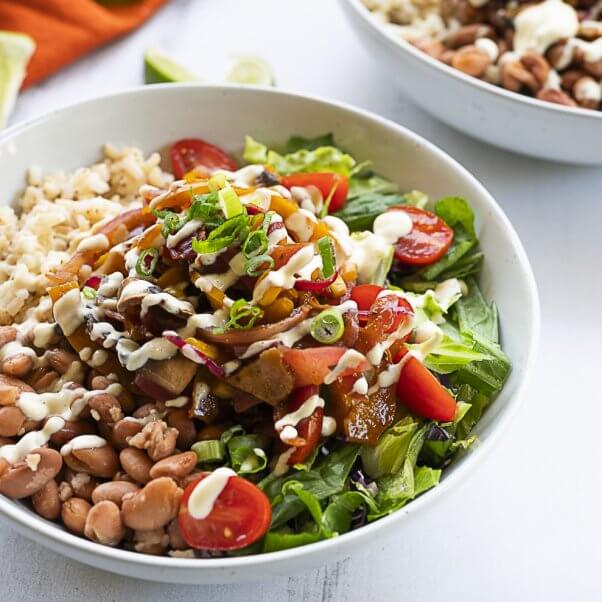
(64, 30)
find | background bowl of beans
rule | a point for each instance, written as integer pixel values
(522, 76)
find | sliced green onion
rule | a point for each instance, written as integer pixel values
(211, 450)
(256, 244)
(217, 182)
(205, 207)
(229, 202)
(326, 249)
(267, 220)
(243, 315)
(256, 265)
(172, 222)
(202, 247)
(147, 262)
(327, 327)
(89, 292)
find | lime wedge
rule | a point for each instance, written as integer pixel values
(159, 68)
(15, 52)
(251, 70)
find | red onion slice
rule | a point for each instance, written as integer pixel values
(316, 286)
(193, 354)
(93, 282)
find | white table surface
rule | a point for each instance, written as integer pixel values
(526, 525)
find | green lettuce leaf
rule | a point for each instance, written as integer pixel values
(297, 143)
(360, 212)
(326, 478)
(388, 455)
(370, 184)
(450, 355)
(476, 316)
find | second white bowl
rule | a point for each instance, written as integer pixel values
(487, 112)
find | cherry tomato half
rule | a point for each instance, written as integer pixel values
(310, 366)
(428, 241)
(422, 393)
(309, 429)
(240, 516)
(325, 183)
(188, 153)
(367, 299)
(365, 295)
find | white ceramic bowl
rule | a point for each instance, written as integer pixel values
(491, 113)
(153, 116)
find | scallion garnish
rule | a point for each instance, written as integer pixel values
(210, 450)
(89, 292)
(172, 222)
(205, 208)
(267, 220)
(229, 202)
(256, 244)
(147, 262)
(328, 258)
(234, 229)
(243, 315)
(327, 327)
(257, 265)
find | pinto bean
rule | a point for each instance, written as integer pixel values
(157, 439)
(42, 379)
(99, 382)
(71, 429)
(60, 360)
(18, 365)
(97, 461)
(123, 430)
(31, 425)
(8, 395)
(7, 335)
(154, 506)
(7, 381)
(180, 420)
(11, 421)
(46, 501)
(105, 408)
(4, 465)
(136, 463)
(104, 524)
(29, 476)
(113, 491)
(174, 466)
(73, 514)
(81, 483)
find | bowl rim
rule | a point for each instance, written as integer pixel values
(402, 45)
(52, 532)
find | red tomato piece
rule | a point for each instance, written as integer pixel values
(420, 391)
(326, 183)
(365, 295)
(310, 366)
(188, 153)
(309, 429)
(240, 516)
(428, 241)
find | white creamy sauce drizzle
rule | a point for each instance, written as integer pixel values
(177, 402)
(305, 410)
(133, 356)
(205, 494)
(168, 302)
(184, 232)
(97, 243)
(302, 224)
(131, 259)
(281, 467)
(392, 225)
(488, 46)
(32, 440)
(308, 198)
(44, 334)
(369, 250)
(375, 355)
(68, 311)
(351, 359)
(539, 26)
(285, 276)
(329, 426)
(82, 442)
(110, 284)
(360, 386)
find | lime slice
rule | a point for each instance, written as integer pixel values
(251, 70)
(159, 68)
(15, 52)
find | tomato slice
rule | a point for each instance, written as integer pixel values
(188, 153)
(240, 516)
(365, 295)
(310, 366)
(309, 429)
(422, 393)
(325, 183)
(428, 241)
